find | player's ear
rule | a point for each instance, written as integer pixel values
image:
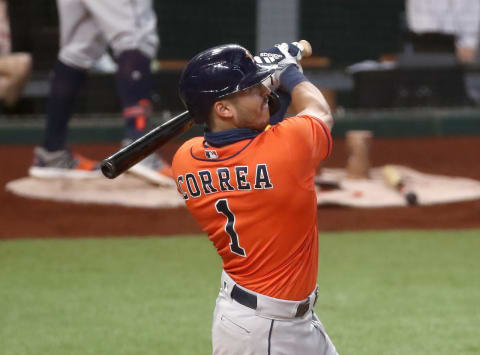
(223, 109)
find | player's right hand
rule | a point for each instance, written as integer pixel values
(282, 56)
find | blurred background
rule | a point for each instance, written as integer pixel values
(366, 59)
(409, 75)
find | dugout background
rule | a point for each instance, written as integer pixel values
(345, 31)
(342, 33)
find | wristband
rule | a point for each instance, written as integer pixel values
(291, 77)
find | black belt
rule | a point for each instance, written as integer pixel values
(250, 300)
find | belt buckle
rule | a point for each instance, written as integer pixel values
(302, 308)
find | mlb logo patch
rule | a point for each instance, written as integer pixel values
(211, 154)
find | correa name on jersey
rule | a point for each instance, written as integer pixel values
(223, 179)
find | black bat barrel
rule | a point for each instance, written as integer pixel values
(133, 153)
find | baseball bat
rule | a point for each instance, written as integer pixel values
(306, 48)
(394, 179)
(133, 153)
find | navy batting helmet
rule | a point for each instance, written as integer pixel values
(216, 73)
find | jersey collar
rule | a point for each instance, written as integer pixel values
(223, 138)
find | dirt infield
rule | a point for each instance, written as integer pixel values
(455, 156)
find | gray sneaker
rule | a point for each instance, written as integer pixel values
(62, 164)
(153, 169)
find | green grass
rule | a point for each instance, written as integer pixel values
(407, 292)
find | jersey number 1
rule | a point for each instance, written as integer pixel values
(222, 207)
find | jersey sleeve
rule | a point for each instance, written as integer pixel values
(307, 137)
(181, 158)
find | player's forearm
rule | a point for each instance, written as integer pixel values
(308, 100)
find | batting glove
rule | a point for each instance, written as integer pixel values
(282, 56)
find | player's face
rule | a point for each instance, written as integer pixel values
(251, 107)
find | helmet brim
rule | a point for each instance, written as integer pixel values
(253, 79)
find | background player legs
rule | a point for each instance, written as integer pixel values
(81, 43)
(133, 85)
(65, 83)
(87, 28)
(134, 82)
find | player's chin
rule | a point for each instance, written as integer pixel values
(263, 121)
(263, 118)
(264, 108)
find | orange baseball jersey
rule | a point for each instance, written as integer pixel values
(256, 201)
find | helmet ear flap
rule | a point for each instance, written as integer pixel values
(273, 103)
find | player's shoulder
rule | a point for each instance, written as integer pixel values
(183, 152)
(303, 124)
(305, 120)
(304, 133)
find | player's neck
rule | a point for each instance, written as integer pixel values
(218, 124)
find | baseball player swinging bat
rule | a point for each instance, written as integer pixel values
(133, 153)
